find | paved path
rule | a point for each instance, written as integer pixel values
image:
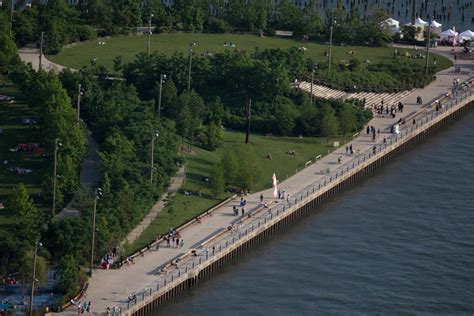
(111, 287)
(30, 54)
(176, 183)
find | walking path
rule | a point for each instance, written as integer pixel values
(176, 182)
(370, 98)
(108, 288)
(30, 54)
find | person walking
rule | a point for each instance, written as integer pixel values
(243, 211)
(181, 245)
(261, 198)
(385, 140)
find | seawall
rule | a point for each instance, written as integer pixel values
(220, 252)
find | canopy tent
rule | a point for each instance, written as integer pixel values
(435, 24)
(435, 28)
(467, 35)
(392, 23)
(449, 36)
(419, 21)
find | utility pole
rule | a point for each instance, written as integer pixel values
(149, 35)
(79, 93)
(97, 194)
(428, 47)
(55, 176)
(248, 110)
(190, 63)
(162, 78)
(33, 280)
(41, 52)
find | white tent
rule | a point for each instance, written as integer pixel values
(435, 24)
(392, 23)
(419, 21)
(448, 33)
(435, 27)
(466, 36)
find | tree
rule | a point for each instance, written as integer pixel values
(217, 180)
(28, 218)
(347, 119)
(285, 115)
(26, 268)
(156, 8)
(68, 275)
(329, 123)
(230, 164)
(8, 53)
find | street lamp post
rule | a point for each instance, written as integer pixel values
(37, 243)
(97, 194)
(149, 35)
(428, 47)
(162, 79)
(153, 139)
(41, 51)
(55, 167)
(330, 45)
(190, 63)
(314, 67)
(79, 94)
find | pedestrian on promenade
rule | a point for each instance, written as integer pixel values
(414, 122)
(181, 245)
(288, 198)
(107, 311)
(374, 150)
(167, 241)
(261, 198)
(350, 149)
(339, 160)
(177, 242)
(368, 130)
(347, 147)
(243, 211)
(385, 140)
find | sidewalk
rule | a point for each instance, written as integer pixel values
(107, 288)
(175, 184)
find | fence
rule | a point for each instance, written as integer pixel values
(203, 257)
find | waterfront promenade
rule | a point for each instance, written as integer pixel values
(109, 288)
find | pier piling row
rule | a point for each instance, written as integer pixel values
(305, 203)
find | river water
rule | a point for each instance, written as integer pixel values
(400, 242)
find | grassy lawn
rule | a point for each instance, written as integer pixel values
(127, 47)
(14, 133)
(200, 163)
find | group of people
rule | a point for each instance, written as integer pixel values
(349, 149)
(173, 239)
(107, 261)
(390, 110)
(371, 131)
(83, 308)
(419, 100)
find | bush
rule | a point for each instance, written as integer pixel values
(215, 25)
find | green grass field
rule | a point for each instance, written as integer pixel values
(81, 54)
(14, 133)
(200, 163)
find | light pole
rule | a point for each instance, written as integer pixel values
(57, 144)
(154, 136)
(314, 67)
(330, 44)
(428, 47)
(149, 35)
(162, 79)
(41, 52)
(97, 194)
(79, 94)
(37, 244)
(190, 63)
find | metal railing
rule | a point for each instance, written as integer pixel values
(203, 256)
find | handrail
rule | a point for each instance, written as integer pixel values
(203, 255)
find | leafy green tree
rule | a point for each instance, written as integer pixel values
(214, 136)
(8, 53)
(329, 122)
(217, 180)
(68, 275)
(347, 119)
(285, 115)
(157, 9)
(28, 218)
(230, 164)
(26, 268)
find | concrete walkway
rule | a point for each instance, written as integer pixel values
(30, 54)
(108, 288)
(175, 184)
